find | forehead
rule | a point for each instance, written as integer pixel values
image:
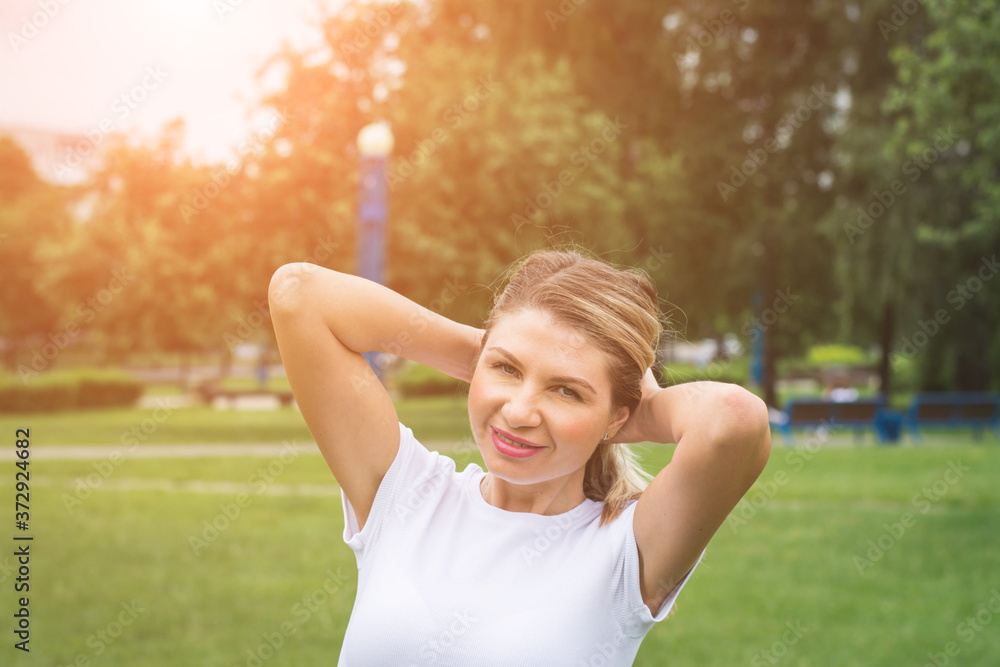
(535, 338)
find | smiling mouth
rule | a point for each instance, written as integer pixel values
(510, 440)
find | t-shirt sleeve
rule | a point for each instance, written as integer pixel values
(638, 617)
(413, 464)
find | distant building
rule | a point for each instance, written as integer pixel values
(61, 158)
(700, 353)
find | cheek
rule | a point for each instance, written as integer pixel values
(480, 397)
(576, 427)
(572, 427)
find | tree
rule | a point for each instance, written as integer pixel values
(945, 101)
(154, 263)
(33, 218)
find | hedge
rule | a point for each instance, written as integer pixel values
(734, 371)
(82, 388)
(419, 380)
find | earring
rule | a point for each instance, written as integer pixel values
(605, 435)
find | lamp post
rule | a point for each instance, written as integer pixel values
(757, 249)
(757, 351)
(374, 146)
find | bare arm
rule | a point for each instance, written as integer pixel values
(323, 320)
(723, 443)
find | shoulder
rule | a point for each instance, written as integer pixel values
(414, 478)
(417, 463)
(640, 602)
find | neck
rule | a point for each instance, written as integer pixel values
(549, 498)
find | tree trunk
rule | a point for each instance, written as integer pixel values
(885, 341)
(184, 376)
(769, 380)
(971, 369)
(225, 363)
(932, 373)
(720, 347)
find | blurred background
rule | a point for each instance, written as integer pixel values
(812, 186)
(791, 175)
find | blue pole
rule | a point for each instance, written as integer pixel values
(757, 351)
(372, 214)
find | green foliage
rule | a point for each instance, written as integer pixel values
(18, 398)
(628, 127)
(19, 176)
(945, 92)
(905, 372)
(416, 380)
(735, 371)
(837, 355)
(33, 222)
(82, 388)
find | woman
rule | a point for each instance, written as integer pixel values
(562, 552)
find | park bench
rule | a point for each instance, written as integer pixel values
(857, 416)
(975, 410)
(243, 398)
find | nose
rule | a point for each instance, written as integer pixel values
(520, 409)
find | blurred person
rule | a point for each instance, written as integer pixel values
(563, 551)
(839, 389)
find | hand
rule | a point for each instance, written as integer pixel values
(634, 429)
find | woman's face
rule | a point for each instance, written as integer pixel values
(545, 385)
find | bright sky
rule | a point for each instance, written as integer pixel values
(65, 65)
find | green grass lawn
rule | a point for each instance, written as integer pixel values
(796, 551)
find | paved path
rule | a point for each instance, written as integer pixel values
(203, 486)
(215, 450)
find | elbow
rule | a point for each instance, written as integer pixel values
(287, 284)
(744, 428)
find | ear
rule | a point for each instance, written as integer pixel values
(618, 418)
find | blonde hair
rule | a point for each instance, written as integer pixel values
(615, 309)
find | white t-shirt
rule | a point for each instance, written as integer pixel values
(445, 578)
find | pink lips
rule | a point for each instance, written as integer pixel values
(512, 450)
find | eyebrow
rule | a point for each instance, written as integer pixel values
(565, 379)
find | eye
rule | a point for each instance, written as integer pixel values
(505, 368)
(567, 392)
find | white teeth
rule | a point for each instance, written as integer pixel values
(511, 442)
